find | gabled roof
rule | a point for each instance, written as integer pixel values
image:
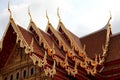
(63, 48)
(45, 39)
(71, 69)
(15, 32)
(59, 56)
(74, 57)
(72, 37)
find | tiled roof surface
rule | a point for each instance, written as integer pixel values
(94, 42)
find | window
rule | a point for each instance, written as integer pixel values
(32, 71)
(11, 77)
(17, 75)
(24, 74)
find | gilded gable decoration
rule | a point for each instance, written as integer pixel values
(51, 71)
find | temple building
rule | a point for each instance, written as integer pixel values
(58, 54)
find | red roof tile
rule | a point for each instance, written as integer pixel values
(27, 35)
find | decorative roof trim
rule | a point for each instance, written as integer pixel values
(65, 64)
(51, 72)
(41, 37)
(87, 60)
(72, 71)
(81, 51)
(105, 47)
(75, 70)
(36, 60)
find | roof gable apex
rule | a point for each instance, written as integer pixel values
(74, 40)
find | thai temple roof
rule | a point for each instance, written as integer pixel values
(95, 54)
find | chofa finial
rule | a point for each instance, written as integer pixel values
(47, 17)
(29, 13)
(109, 18)
(110, 14)
(58, 14)
(9, 9)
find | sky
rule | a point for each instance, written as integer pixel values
(81, 17)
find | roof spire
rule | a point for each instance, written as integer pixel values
(109, 26)
(29, 14)
(58, 14)
(47, 17)
(9, 9)
(110, 14)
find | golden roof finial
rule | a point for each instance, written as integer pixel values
(110, 17)
(58, 14)
(9, 9)
(47, 17)
(110, 14)
(29, 14)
